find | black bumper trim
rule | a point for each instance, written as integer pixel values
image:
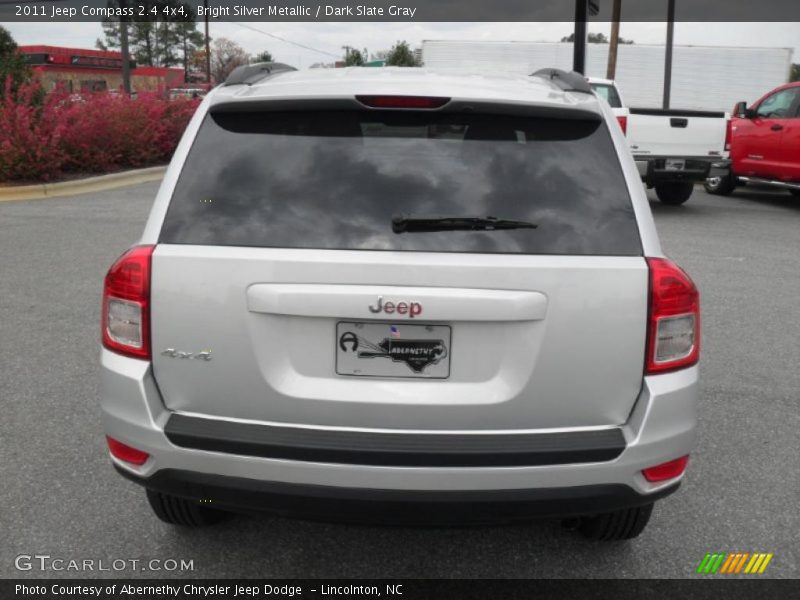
(696, 169)
(393, 506)
(394, 449)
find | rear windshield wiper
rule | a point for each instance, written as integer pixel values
(403, 224)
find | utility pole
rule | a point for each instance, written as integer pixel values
(208, 45)
(613, 43)
(123, 46)
(668, 53)
(579, 43)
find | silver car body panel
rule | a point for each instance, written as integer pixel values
(512, 365)
(661, 426)
(564, 354)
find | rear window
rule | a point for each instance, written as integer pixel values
(336, 179)
(608, 93)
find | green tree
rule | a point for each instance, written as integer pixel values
(12, 64)
(158, 38)
(401, 55)
(595, 38)
(264, 56)
(353, 57)
(190, 39)
(795, 74)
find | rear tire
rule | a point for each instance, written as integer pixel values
(795, 193)
(622, 524)
(674, 193)
(180, 511)
(720, 186)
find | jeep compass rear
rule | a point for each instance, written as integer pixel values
(400, 296)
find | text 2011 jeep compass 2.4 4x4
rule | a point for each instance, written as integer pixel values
(401, 296)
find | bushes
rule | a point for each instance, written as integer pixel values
(44, 138)
(30, 136)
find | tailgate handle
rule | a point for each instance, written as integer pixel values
(437, 304)
(676, 122)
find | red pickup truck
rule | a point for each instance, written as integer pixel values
(764, 144)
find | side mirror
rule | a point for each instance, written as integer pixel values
(740, 110)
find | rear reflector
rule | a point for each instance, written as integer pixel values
(126, 453)
(667, 470)
(623, 123)
(728, 134)
(674, 322)
(416, 102)
(126, 304)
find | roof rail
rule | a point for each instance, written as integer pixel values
(250, 74)
(569, 81)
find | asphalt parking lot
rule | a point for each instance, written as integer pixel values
(60, 496)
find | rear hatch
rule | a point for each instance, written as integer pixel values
(678, 133)
(337, 268)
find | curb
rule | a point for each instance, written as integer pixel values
(81, 186)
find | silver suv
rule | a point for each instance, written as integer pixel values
(387, 294)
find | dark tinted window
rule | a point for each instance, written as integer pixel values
(608, 93)
(335, 179)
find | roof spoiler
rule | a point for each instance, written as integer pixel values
(569, 81)
(250, 74)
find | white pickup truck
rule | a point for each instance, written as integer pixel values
(673, 149)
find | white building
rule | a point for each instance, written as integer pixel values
(703, 77)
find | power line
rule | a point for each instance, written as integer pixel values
(282, 39)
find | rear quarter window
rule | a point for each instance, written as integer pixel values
(608, 93)
(336, 179)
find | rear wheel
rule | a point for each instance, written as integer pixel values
(720, 186)
(622, 524)
(674, 193)
(180, 511)
(795, 193)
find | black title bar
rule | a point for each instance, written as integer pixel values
(43, 11)
(392, 589)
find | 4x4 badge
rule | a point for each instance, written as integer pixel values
(172, 353)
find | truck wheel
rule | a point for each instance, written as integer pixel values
(720, 186)
(180, 511)
(674, 193)
(622, 524)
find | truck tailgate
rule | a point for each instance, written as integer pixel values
(678, 133)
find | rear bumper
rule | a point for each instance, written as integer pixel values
(394, 449)
(542, 475)
(368, 505)
(652, 169)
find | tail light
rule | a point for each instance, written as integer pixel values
(667, 470)
(125, 452)
(673, 337)
(417, 102)
(623, 123)
(728, 134)
(126, 304)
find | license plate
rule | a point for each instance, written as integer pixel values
(392, 350)
(674, 164)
